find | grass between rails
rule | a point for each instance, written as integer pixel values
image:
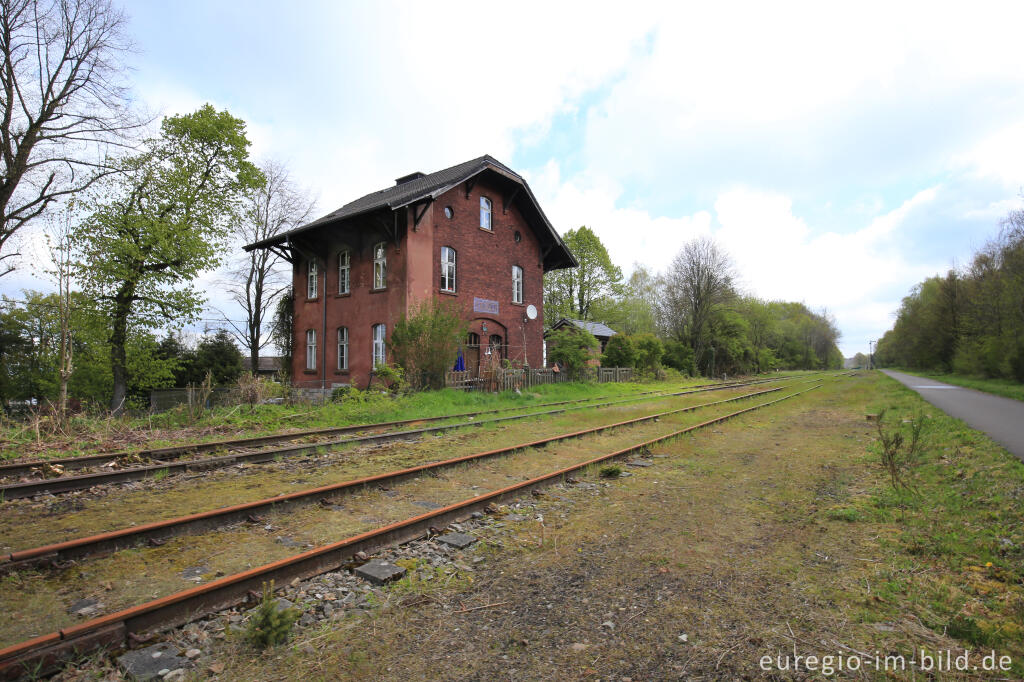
(38, 601)
(775, 533)
(92, 434)
(31, 522)
(1003, 387)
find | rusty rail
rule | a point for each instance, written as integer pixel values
(175, 451)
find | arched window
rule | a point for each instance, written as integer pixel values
(447, 268)
(378, 345)
(473, 339)
(342, 347)
(517, 284)
(380, 266)
(344, 270)
(312, 287)
(494, 345)
(310, 349)
(485, 213)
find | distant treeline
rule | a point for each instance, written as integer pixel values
(970, 321)
(705, 326)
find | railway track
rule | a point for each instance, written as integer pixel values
(14, 469)
(45, 653)
(162, 530)
(70, 483)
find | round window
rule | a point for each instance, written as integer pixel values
(448, 212)
(518, 237)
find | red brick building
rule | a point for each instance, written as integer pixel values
(472, 234)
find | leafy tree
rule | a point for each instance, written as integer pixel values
(572, 348)
(572, 292)
(256, 281)
(161, 221)
(65, 99)
(219, 356)
(634, 308)
(425, 343)
(619, 352)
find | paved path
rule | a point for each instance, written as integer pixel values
(1001, 418)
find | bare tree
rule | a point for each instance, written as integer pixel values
(60, 238)
(699, 278)
(256, 282)
(63, 101)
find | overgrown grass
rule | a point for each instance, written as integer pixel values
(1004, 387)
(85, 434)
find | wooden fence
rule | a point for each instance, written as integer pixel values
(512, 379)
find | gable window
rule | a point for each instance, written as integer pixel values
(310, 349)
(312, 286)
(378, 345)
(447, 269)
(485, 213)
(517, 284)
(344, 270)
(380, 266)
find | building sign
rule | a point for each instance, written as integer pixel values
(482, 305)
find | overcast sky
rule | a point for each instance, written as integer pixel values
(839, 153)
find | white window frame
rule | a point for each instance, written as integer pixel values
(344, 271)
(311, 349)
(342, 348)
(485, 213)
(312, 279)
(379, 345)
(380, 265)
(448, 257)
(517, 284)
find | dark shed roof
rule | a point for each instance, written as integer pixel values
(596, 328)
(418, 187)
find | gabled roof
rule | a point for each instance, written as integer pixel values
(595, 328)
(418, 187)
(266, 363)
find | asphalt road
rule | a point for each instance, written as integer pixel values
(1001, 418)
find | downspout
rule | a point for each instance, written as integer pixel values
(323, 343)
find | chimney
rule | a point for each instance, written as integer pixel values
(407, 178)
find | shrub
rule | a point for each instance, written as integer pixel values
(425, 343)
(619, 352)
(610, 471)
(270, 625)
(572, 348)
(649, 350)
(678, 356)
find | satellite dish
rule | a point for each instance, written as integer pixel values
(531, 311)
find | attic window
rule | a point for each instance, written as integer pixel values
(448, 212)
(518, 236)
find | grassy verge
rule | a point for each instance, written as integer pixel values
(774, 534)
(1004, 387)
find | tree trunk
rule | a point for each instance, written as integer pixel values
(118, 354)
